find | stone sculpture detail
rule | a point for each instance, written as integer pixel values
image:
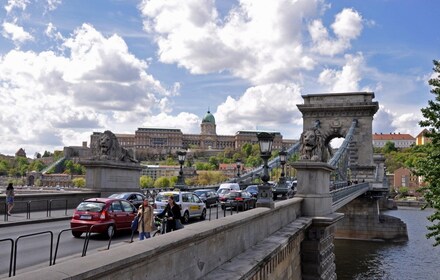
(313, 146)
(108, 148)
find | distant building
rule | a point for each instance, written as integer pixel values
(20, 153)
(148, 142)
(403, 177)
(157, 171)
(399, 140)
(421, 139)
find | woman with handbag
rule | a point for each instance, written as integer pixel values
(146, 220)
(172, 212)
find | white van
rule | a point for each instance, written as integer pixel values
(229, 186)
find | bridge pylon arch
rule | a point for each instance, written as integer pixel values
(334, 113)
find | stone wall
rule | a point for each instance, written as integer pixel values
(363, 221)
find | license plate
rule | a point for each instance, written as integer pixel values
(85, 217)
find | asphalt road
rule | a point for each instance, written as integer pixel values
(34, 252)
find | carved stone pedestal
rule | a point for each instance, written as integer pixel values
(110, 177)
(314, 187)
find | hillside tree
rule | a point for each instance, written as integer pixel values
(429, 166)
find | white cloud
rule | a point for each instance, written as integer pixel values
(347, 79)
(387, 121)
(20, 4)
(15, 33)
(187, 122)
(51, 32)
(272, 106)
(259, 41)
(346, 27)
(53, 4)
(46, 97)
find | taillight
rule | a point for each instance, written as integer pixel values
(239, 198)
(103, 214)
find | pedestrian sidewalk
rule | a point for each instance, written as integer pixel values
(35, 217)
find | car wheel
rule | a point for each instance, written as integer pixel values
(110, 231)
(203, 216)
(76, 234)
(186, 217)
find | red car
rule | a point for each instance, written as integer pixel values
(106, 215)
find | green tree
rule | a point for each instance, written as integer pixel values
(146, 182)
(389, 147)
(429, 166)
(47, 154)
(4, 167)
(79, 182)
(247, 149)
(162, 182)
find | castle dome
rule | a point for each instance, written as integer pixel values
(209, 118)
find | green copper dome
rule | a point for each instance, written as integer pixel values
(209, 118)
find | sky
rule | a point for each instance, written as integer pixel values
(71, 68)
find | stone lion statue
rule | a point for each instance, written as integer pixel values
(108, 149)
(313, 146)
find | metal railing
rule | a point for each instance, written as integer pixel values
(48, 207)
(11, 254)
(58, 241)
(28, 235)
(88, 233)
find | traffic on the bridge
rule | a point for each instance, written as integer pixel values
(98, 224)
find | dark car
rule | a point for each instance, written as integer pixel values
(210, 197)
(240, 200)
(102, 215)
(253, 190)
(134, 198)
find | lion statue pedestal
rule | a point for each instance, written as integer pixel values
(112, 168)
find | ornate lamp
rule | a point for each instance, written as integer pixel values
(283, 155)
(238, 162)
(180, 184)
(264, 191)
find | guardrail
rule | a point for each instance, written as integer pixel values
(28, 203)
(86, 240)
(11, 255)
(28, 235)
(58, 241)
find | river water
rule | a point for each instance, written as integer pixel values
(415, 259)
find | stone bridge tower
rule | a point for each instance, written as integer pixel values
(335, 113)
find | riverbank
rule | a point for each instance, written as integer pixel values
(410, 203)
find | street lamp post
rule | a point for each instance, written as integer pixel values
(180, 184)
(264, 190)
(282, 154)
(238, 162)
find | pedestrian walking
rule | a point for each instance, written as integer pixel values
(146, 219)
(10, 197)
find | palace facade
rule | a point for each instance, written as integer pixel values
(155, 141)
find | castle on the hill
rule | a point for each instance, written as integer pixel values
(146, 142)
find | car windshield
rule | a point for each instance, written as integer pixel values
(199, 193)
(252, 188)
(91, 206)
(223, 191)
(119, 195)
(164, 197)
